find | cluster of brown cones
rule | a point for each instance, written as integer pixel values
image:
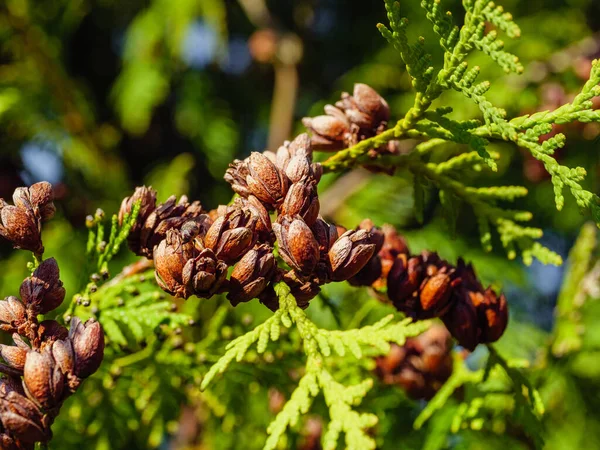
(354, 118)
(47, 362)
(193, 249)
(425, 286)
(421, 366)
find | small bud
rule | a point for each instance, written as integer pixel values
(350, 253)
(88, 346)
(266, 181)
(297, 244)
(99, 215)
(251, 274)
(43, 291)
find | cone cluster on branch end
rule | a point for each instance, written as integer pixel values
(193, 249)
(47, 362)
(354, 118)
(425, 286)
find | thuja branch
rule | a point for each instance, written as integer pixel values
(317, 346)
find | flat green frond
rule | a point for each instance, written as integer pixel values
(415, 58)
(298, 404)
(503, 20)
(460, 133)
(493, 47)
(133, 310)
(344, 419)
(377, 336)
(513, 236)
(442, 23)
(237, 349)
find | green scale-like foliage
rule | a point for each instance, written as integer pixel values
(436, 128)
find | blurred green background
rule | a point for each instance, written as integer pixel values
(100, 96)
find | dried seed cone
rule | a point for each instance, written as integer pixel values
(21, 417)
(43, 291)
(302, 290)
(43, 379)
(14, 355)
(266, 181)
(462, 321)
(421, 286)
(393, 246)
(204, 274)
(152, 223)
(22, 223)
(493, 316)
(297, 244)
(234, 233)
(185, 268)
(302, 200)
(236, 176)
(329, 132)
(365, 108)
(21, 228)
(251, 275)
(38, 198)
(88, 346)
(170, 257)
(354, 118)
(350, 253)
(147, 198)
